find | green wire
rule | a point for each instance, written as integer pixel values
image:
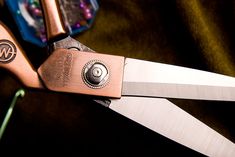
(19, 93)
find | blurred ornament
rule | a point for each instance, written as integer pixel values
(78, 16)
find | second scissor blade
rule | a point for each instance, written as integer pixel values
(143, 78)
(165, 118)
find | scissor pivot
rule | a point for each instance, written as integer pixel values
(95, 74)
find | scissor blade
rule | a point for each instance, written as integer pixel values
(165, 118)
(143, 78)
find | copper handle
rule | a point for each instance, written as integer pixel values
(64, 71)
(13, 59)
(53, 19)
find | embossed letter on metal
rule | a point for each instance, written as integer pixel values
(7, 51)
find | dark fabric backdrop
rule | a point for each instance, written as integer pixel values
(192, 33)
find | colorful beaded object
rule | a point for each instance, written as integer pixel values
(78, 16)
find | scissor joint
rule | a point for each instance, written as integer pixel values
(72, 71)
(70, 43)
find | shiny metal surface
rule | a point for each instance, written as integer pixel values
(143, 78)
(19, 65)
(95, 74)
(165, 118)
(53, 19)
(70, 43)
(63, 71)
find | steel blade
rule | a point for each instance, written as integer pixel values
(165, 118)
(143, 78)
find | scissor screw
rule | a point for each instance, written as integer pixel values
(95, 74)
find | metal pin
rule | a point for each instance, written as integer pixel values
(95, 74)
(19, 93)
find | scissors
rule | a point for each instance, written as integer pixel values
(134, 88)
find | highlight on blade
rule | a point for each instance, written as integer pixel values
(165, 118)
(143, 78)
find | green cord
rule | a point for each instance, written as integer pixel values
(19, 93)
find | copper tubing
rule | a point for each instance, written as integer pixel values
(53, 19)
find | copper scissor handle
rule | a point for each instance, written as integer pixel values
(55, 28)
(12, 56)
(13, 59)
(53, 20)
